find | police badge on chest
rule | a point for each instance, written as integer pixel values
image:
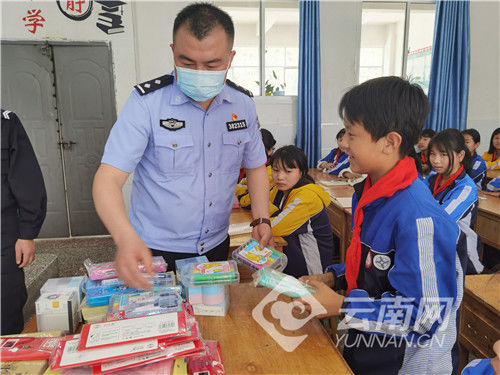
(172, 124)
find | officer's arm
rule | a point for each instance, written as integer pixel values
(258, 188)
(109, 204)
(26, 182)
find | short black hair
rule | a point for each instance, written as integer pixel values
(491, 150)
(387, 104)
(476, 137)
(428, 133)
(450, 140)
(340, 134)
(201, 18)
(267, 139)
(292, 157)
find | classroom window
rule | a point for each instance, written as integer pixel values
(266, 44)
(396, 39)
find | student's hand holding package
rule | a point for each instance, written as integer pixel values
(326, 278)
(330, 300)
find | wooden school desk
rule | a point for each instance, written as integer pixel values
(479, 317)
(488, 220)
(248, 349)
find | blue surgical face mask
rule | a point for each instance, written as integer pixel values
(200, 85)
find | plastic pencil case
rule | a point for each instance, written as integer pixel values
(251, 255)
(210, 273)
(282, 283)
(106, 270)
(161, 279)
(145, 303)
(99, 292)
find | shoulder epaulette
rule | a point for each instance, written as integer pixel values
(6, 114)
(154, 84)
(239, 88)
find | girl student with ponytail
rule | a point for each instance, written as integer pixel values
(404, 246)
(454, 189)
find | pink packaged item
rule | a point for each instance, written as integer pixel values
(106, 270)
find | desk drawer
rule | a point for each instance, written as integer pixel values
(477, 328)
(488, 229)
(337, 220)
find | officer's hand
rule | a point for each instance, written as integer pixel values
(25, 251)
(264, 235)
(130, 252)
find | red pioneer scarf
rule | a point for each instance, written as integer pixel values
(336, 159)
(423, 157)
(398, 178)
(494, 156)
(438, 189)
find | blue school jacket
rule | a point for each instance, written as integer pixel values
(479, 367)
(460, 201)
(478, 170)
(342, 163)
(493, 185)
(409, 287)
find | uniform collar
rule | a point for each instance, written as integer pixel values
(179, 98)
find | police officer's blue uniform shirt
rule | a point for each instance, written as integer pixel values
(186, 162)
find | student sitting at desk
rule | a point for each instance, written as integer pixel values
(454, 189)
(241, 187)
(472, 140)
(298, 213)
(404, 259)
(492, 156)
(337, 160)
(423, 146)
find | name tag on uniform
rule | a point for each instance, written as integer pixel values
(172, 124)
(236, 125)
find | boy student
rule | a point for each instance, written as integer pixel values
(336, 161)
(423, 145)
(472, 141)
(403, 275)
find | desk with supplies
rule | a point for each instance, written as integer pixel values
(248, 349)
(479, 317)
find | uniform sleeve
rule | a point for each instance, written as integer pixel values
(26, 182)
(129, 136)
(493, 185)
(340, 166)
(479, 367)
(479, 172)
(296, 213)
(459, 200)
(328, 158)
(338, 270)
(424, 276)
(490, 163)
(254, 154)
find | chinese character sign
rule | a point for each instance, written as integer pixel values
(33, 20)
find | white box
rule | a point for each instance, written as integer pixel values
(65, 284)
(57, 312)
(212, 310)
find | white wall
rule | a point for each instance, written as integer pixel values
(340, 43)
(484, 96)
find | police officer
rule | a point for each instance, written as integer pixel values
(24, 204)
(184, 136)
